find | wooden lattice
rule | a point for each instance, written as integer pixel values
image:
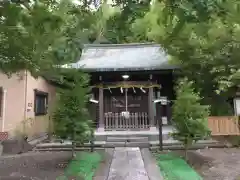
(3, 136)
(224, 125)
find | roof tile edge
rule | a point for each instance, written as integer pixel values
(86, 46)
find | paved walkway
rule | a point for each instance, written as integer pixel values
(128, 164)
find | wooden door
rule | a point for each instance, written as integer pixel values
(137, 106)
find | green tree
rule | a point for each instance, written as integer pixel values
(202, 37)
(118, 27)
(35, 36)
(189, 116)
(71, 118)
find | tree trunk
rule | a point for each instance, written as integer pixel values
(73, 149)
(186, 152)
(73, 142)
(92, 140)
(187, 144)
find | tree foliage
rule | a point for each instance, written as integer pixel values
(201, 36)
(118, 26)
(189, 116)
(37, 35)
(203, 39)
(71, 118)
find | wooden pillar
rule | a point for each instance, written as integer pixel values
(150, 104)
(101, 110)
(150, 107)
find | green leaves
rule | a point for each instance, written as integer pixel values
(203, 38)
(36, 36)
(189, 116)
(71, 118)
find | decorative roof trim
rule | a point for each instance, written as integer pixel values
(172, 67)
(134, 45)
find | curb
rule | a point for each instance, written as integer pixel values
(150, 164)
(103, 170)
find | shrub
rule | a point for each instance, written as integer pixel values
(71, 118)
(189, 116)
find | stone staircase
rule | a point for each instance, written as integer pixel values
(129, 138)
(140, 139)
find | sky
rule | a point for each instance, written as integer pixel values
(95, 2)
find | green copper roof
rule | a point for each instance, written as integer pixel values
(117, 57)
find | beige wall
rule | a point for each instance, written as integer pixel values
(14, 104)
(39, 124)
(20, 103)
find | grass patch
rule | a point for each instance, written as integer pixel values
(175, 168)
(83, 166)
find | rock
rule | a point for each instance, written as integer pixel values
(228, 145)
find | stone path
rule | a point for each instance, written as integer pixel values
(127, 164)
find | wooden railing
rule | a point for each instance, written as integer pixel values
(224, 125)
(115, 121)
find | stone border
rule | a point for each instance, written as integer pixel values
(103, 170)
(151, 165)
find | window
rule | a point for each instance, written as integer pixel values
(41, 102)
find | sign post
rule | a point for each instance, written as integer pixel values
(162, 101)
(160, 134)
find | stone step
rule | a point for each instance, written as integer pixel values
(97, 145)
(151, 137)
(127, 139)
(165, 147)
(127, 144)
(156, 137)
(176, 142)
(102, 144)
(123, 134)
(193, 147)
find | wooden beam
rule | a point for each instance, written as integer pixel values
(127, 84)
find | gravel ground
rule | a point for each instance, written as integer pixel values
(34, 166)
(212, 164)
(218, 164)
